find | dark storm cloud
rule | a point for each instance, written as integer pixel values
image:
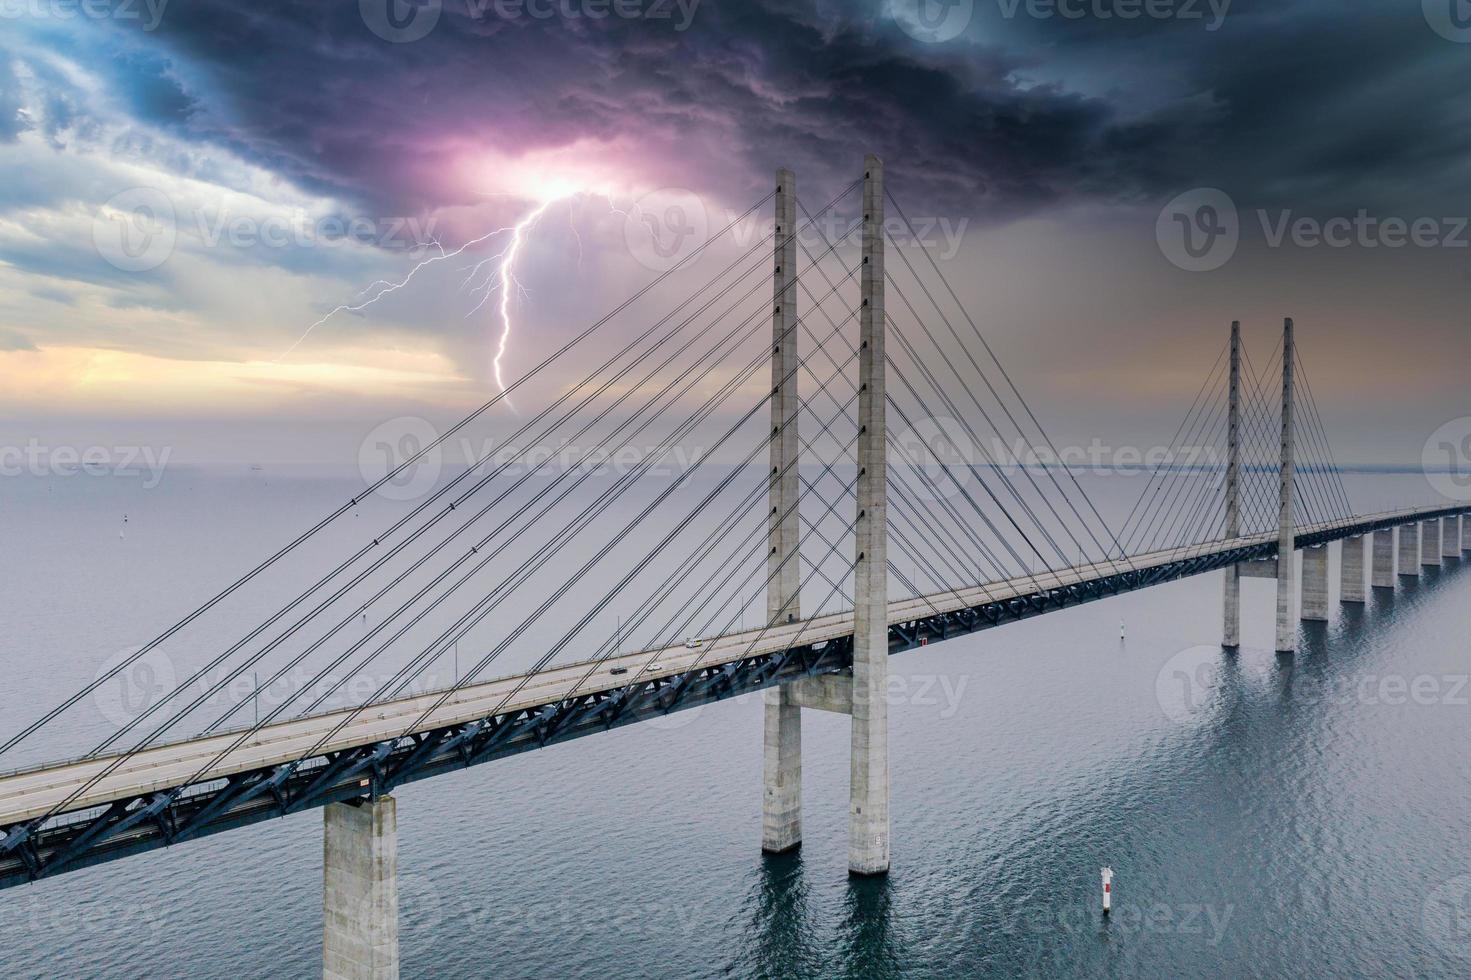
(1297, 100)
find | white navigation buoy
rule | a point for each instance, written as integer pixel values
(1121, 629)
(1107, 890)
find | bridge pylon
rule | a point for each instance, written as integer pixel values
(781, 806)
(1315, 567)
(860, 694)
(1232, 633)
(868, 802)
(1286, 532)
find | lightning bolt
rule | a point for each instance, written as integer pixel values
(503, 279)
(492, 275)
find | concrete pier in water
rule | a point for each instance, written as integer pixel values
(1384, 559)
(1351, 586)
(360, 890)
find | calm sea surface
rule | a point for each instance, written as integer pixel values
(1264, 816)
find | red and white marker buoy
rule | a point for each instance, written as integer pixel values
(1107, 890)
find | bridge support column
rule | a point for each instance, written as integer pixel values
(1286, 534)
(1231, 635)
(1450, 537)
(781, 801)
(1409, 551)
(1384, 559)
(1465, 532)
(1352, 586)
(868, 800)
(1314, 584)
(1430, 544)
(360, 890)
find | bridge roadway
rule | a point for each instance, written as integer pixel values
(28, 794)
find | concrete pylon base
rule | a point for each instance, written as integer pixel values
(781, 806)
(1352, 587)
(1383, 572)
(360, 890)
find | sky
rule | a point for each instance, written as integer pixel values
(204, 200)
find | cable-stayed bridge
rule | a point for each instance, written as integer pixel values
(850, 502)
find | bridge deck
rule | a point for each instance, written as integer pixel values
(29, 794)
